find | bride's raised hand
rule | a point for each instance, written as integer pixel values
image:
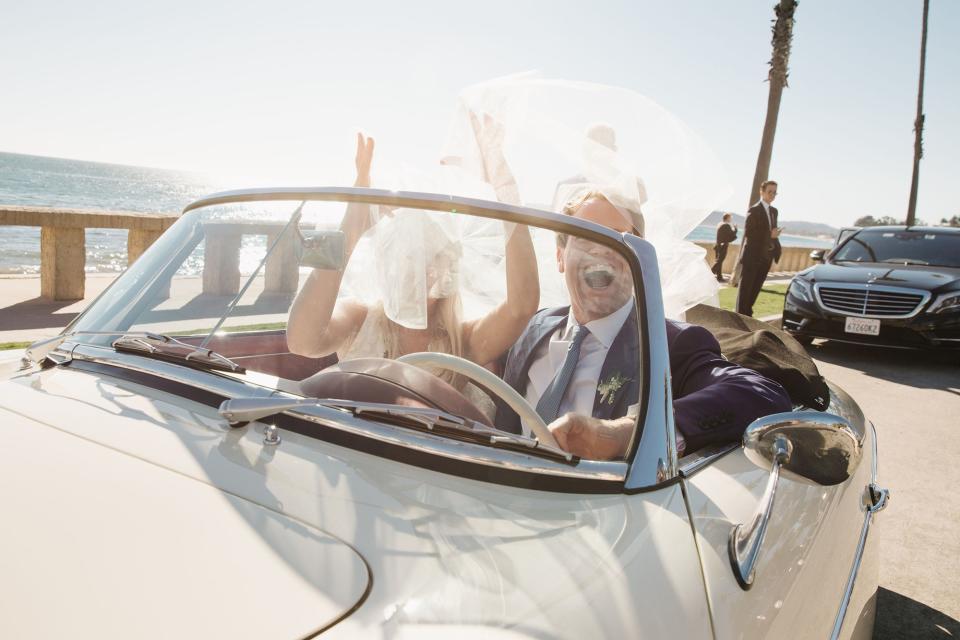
(490, 135)
(364, 159)
(359, 217)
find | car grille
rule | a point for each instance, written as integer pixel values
(870, 302)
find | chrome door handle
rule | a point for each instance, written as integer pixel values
(875, 498)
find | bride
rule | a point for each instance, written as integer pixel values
(420, 307)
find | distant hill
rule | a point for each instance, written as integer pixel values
(791, 227)
(716, 216)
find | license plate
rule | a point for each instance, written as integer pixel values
(864, 326)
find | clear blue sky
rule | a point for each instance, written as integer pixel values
(267, 92)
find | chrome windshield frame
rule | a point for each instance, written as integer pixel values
(655, 458)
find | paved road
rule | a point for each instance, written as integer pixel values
(913, 399)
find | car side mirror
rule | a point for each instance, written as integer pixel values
(817, 255)
(821, 448)
(322, 249)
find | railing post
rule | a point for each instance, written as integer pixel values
(62, 260)
(281, 274)
(221, 260)
(138, 240)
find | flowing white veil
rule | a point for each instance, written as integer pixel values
(561, 137)
(558, 138)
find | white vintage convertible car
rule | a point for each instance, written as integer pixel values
(171, 470)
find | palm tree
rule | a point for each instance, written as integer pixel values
(777, 76)
(918, 123)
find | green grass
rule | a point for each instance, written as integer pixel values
(14, 345)
(263, 326)
(769, 302)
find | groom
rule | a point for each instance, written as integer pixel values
(761, 247)
(578, 365)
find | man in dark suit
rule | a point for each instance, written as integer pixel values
(578, 364)
(726, 233)
(761, 247)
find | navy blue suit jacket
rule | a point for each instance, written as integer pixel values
(713, 399)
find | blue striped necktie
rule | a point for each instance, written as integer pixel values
(549, 404)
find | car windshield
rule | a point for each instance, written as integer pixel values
(924, 247)
(328, 299)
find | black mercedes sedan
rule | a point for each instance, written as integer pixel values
(890, 286)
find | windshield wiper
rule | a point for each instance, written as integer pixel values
(239, 411)
(906, 261)
(167, 348)
(447, 424)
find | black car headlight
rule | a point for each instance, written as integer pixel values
(800, 290)
(946, 302)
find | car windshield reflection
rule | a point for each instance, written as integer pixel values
(403, 306)
(919, 247)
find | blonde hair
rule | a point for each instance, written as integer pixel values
(446, 335)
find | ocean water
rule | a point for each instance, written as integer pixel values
(708, 233)
(55, 182)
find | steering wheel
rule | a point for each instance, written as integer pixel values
(489, 381)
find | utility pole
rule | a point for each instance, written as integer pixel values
(918, 124)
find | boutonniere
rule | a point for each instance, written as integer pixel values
(608, 390)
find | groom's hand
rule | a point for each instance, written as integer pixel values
(592, 438)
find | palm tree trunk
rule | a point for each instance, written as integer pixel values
(918, 124)
(777, 76)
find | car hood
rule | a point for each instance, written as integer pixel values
(98, 542)
(447, 556)
(915, 277)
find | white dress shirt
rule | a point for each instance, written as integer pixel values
(549, 356)
(766, 207)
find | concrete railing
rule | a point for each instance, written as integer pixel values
(221, 264)
(63, 249)
(63, 245)
(792, 259)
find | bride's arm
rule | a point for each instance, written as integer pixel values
(490, 336)
(318, 324)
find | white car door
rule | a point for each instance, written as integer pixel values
(813, 577)
(814, 574)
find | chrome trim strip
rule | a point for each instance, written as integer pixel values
(858, 556)
(848, 593)
(867, 288)
(232, 387)
(697, 460)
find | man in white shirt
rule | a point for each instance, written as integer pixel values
(579, 366)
